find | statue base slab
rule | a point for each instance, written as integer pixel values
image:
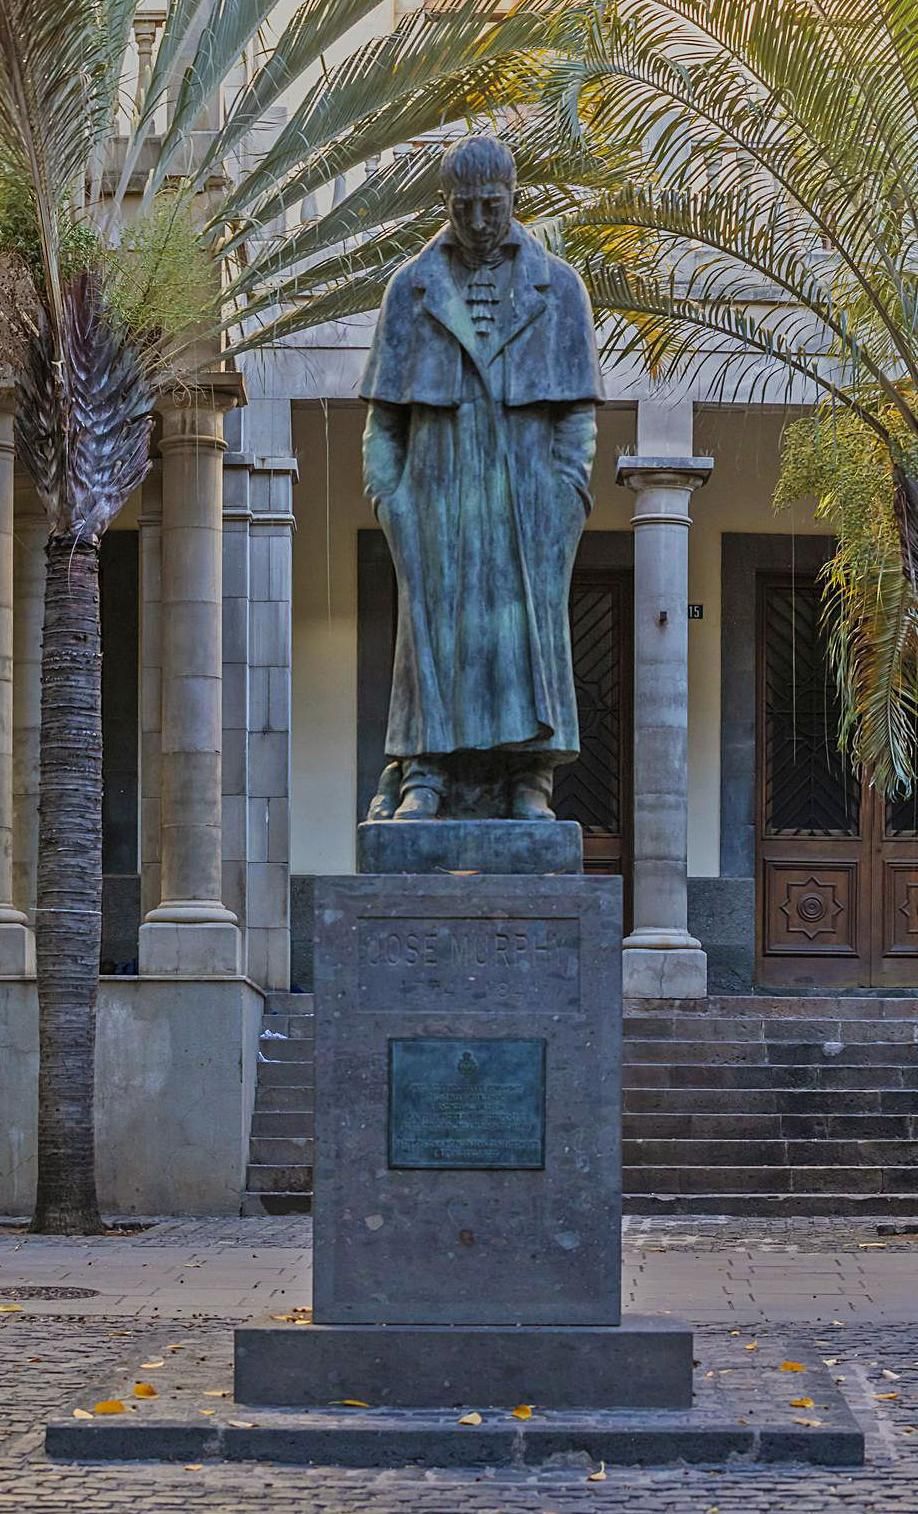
(469, 846)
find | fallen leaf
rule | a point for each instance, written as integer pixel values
(792, 1367)
(108, 1406)
(885, 1397)
(145, 1390)
(148, 1366)
(810, 1423)
(194, 1466)
(10, 1308)
(350, 1403)
(891, 1377)
(736, 1332)
(82, 1414)
(836, 1322)
(207, 1411)
(241, 1424)
(599, 1476)
(470, 1419)
(830, 1361)
(522, 1411)
(752, 1346)
(802, 1403)
(871, 1245)
(217, 1392)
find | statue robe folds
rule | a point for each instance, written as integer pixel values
(478, 464)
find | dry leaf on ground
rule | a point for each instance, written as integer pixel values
(752, 1346)
(810, 1423)
(470, 1419)
(599, 1476)
(891, 1377)
(194, 1466)
(350, 1403)
(207, 1411)
(522, 1411)
(802, 1403)
(10, 1308)
(886, 1397)
(145, 1390)
(217, 1392)
(108, 1406)
(82, 1414)
(148, 1366)
(792, 1367)
(241, 1424)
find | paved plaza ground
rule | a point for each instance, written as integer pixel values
(846, 1288)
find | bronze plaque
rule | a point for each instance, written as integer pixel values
(462, 1103)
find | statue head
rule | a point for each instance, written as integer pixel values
(478, 180)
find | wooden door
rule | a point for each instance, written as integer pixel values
(837, 870)
(596, 790)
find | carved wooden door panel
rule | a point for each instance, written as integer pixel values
(837, 870)
(596, 790)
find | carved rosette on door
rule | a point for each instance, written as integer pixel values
(837, 870)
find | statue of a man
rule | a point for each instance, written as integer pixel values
(482, 385)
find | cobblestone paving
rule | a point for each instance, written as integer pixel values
(48, 1359)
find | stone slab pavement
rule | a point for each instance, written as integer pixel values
(848, 1289)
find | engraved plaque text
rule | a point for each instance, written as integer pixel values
(466, 1103)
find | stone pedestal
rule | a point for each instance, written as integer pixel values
(468, 1153)
(661, 960)
(475, 846)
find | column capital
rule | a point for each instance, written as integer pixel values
(663, 472)
(189, 411)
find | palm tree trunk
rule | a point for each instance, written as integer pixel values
(69, 915)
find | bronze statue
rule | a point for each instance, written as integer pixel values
(482, 383)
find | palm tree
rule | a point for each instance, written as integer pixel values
(769, 230)
(122, 259)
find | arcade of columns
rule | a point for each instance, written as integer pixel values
(198, 831)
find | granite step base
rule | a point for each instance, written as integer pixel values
(411, 1438)
(255, 1204)
(740, 1411)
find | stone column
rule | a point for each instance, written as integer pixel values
(660, 959)
(151, 695)
(191, 932)
(17, 949)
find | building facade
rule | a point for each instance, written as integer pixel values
(248, 616)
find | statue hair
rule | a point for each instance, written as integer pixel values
(481, 159)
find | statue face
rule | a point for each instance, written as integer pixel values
(480, 215)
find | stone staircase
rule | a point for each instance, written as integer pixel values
(279, 1177)
(737, 1105)
(770, 1105)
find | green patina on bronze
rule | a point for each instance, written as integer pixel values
(482, 383)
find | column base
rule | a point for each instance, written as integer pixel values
(17, 949)
(206, 949)
(678, 972)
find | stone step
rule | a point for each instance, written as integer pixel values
(279, 1003)
(769, 1127)
(279, 1151)
(767, 1101)
(711, 1028)
(285, 1050)
(291, 1178)
(716, 1053)
(296, 1097)
(279, 1073)
(275, 1203)
(709, 1179)
(764, 1205)
(298, 1027)
(663, 1152)
(778, 1007)
(837, 1075)
(283, 1122)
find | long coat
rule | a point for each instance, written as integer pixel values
(478, 464)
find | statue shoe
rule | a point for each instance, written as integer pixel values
(530, 803)
(419, 803)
